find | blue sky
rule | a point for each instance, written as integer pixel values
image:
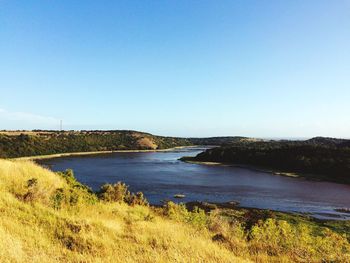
(182, 68)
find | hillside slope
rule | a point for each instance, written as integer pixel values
(31, 230)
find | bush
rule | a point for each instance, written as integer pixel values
(58, 198)
(32, 190)
(114, 193)
(119, 193)
(75, 194)
(179, 212)
(277, 237)
(231, 234)
(136, 199)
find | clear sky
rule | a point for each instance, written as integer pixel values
(184, 68)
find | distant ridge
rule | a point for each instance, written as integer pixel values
(22, 143)
(328, 141)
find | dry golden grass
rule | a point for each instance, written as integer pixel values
(16, 133)
(15, 175)
(100, 232)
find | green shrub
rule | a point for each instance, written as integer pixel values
(75, 194)
(58, 198)
(136, 199)
(277, 237)
(179, 212)
(119, 193)
(114, 193)
(198, 218)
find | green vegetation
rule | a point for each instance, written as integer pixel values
(318, 158)
(119, 193)
(180, 213)
(20, 144)
(248, 217)
(15, 144)
(50, 217)
(218, 140)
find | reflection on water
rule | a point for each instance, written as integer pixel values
(160, 176)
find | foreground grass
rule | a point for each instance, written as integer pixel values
(90, 231)
(50, 217)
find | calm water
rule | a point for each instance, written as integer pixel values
(159, 175)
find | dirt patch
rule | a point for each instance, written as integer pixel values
(147, 143)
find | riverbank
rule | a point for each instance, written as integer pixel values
(306, 176)
(249, 216)
(250, 167)
(58, 155)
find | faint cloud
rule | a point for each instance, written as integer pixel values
(26, 118)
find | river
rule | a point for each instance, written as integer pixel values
(160, 175)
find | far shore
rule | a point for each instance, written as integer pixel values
(58, 155)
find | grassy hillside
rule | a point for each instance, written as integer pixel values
(87, 230)
(317, 158)
(20, 144)
(50, 217)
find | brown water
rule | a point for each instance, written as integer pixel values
(160, 175)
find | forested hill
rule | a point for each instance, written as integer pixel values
(318, 158)
(32, 143)
(42, 142)
(222, 140)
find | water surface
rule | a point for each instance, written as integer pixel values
(160, 175)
